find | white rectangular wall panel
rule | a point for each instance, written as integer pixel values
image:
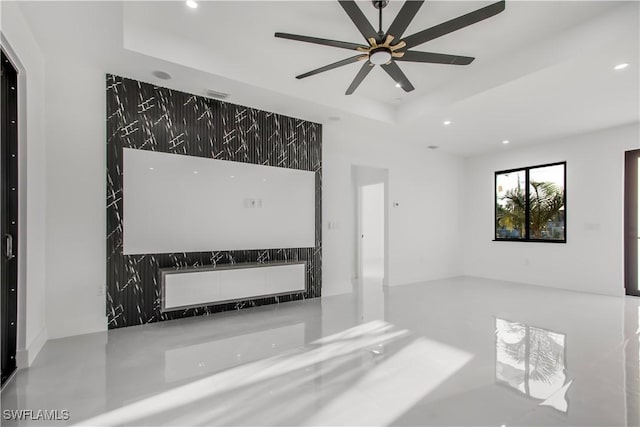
(176, 203)
(279, 280)
(209, 285)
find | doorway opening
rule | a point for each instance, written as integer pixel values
(8, 217)
(631, 222)
(372, 230)
(371, 200)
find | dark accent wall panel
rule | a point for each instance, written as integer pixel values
(148, 117)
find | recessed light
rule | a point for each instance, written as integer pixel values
(506, 141)
(195, 172)
(231, 176)
(162, 75)
(398, 85)
(192, 4)
(621, 66)
(215, 94)
(433, 147)
(446, 122)
(151, 169)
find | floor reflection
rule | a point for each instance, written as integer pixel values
(337, 380)
(189, 361)
(463, 352)
(532, 361)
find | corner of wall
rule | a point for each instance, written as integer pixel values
(68, 327)
(36, 345)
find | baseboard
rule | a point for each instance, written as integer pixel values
(546, 284)
(26, 356)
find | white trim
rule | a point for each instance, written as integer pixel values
(21, 335)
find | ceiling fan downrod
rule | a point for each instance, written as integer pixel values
(380, 4)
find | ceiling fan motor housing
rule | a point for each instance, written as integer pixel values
(380, 4)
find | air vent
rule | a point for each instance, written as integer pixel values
(215, 94)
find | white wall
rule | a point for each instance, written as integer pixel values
(592, 258)
(19, 43)
(76, 182)
(424, 230)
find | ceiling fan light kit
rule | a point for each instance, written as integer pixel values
(380, 56)
(383, 50)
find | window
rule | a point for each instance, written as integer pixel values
(531, 204)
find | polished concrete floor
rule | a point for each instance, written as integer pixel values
(461, 351)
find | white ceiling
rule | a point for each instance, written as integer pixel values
(543, 69)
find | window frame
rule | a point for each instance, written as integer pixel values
(526, 170)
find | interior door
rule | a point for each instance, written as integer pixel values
(9, 217)
(631, 222)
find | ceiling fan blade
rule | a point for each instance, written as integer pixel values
(454, 24)
(332, 66)
(366, 68)
(316, 40)
(398, 76)
(358, 18)
(405, 16)
(435, 58)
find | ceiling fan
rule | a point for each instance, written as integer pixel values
(385, 49)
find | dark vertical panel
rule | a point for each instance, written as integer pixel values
(631, 222)
(9, 223)
(143, 116)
